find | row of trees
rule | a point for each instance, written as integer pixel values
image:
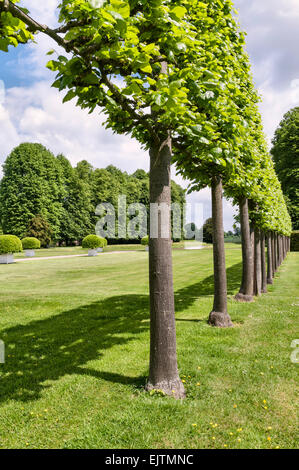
(174, 75)
(43, 195)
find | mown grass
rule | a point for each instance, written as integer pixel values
(78, 250)
(77, 344)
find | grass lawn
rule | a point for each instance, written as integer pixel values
(77, 345)
(78, 250)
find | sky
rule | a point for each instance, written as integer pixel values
(32, 111)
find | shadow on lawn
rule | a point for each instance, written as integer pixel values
(46, 350)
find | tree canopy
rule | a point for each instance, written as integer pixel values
(285, 152)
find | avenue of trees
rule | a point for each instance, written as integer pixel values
(44, 196)
(174, 76)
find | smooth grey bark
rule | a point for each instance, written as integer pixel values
(257, 262)
(246, 290)
(278, 250)
(163, 373)
(219, 316)
(273, 253)
(269, 259)
(263, 263)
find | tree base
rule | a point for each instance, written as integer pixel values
(264, 291)
(220, 320)
(244, 298)
(172, 388)
(270, 281)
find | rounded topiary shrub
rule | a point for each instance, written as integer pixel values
(93, 242)
(30, 243)
(10, 244)
(145, 241)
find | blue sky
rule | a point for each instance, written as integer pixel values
(33, 111)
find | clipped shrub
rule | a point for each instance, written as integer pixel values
(145, 241)
(30, 243)
(295, 241)
(93, 241)
(10, 244)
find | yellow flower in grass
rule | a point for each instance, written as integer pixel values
(235, 406)
(198, 384)
(240, 430)
(194, 425)
(269, 438)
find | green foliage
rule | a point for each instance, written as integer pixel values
(208, 231)
(39, 228)
(31, 243)
(32, 184)
(76, 220)
(295, 241)
(12, 30)
(93, 241)
(145, 241)
(10, 244)
(285, 153)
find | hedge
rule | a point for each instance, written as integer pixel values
(93, 241)
(10, 244)
(30, 243)
(295, 241)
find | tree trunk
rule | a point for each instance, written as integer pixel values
(263, 263)
(269, 259)
(163, 374)
(219, 316)
(278, 250)
(257, 262)
(273, 253)
(246, 290)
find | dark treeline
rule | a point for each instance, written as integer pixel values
(38, 188)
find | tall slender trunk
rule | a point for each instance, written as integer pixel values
(163, 374)
(273, 253)
(246, 290)
(269, 259)
(257, 262)
(219, 316)
(278, 250)
(263, 263)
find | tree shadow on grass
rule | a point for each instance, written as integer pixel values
(45, 350)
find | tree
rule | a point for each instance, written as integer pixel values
(32, 184)
(208, 231)
(39, 228)
(285, 153)
(75, 222)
